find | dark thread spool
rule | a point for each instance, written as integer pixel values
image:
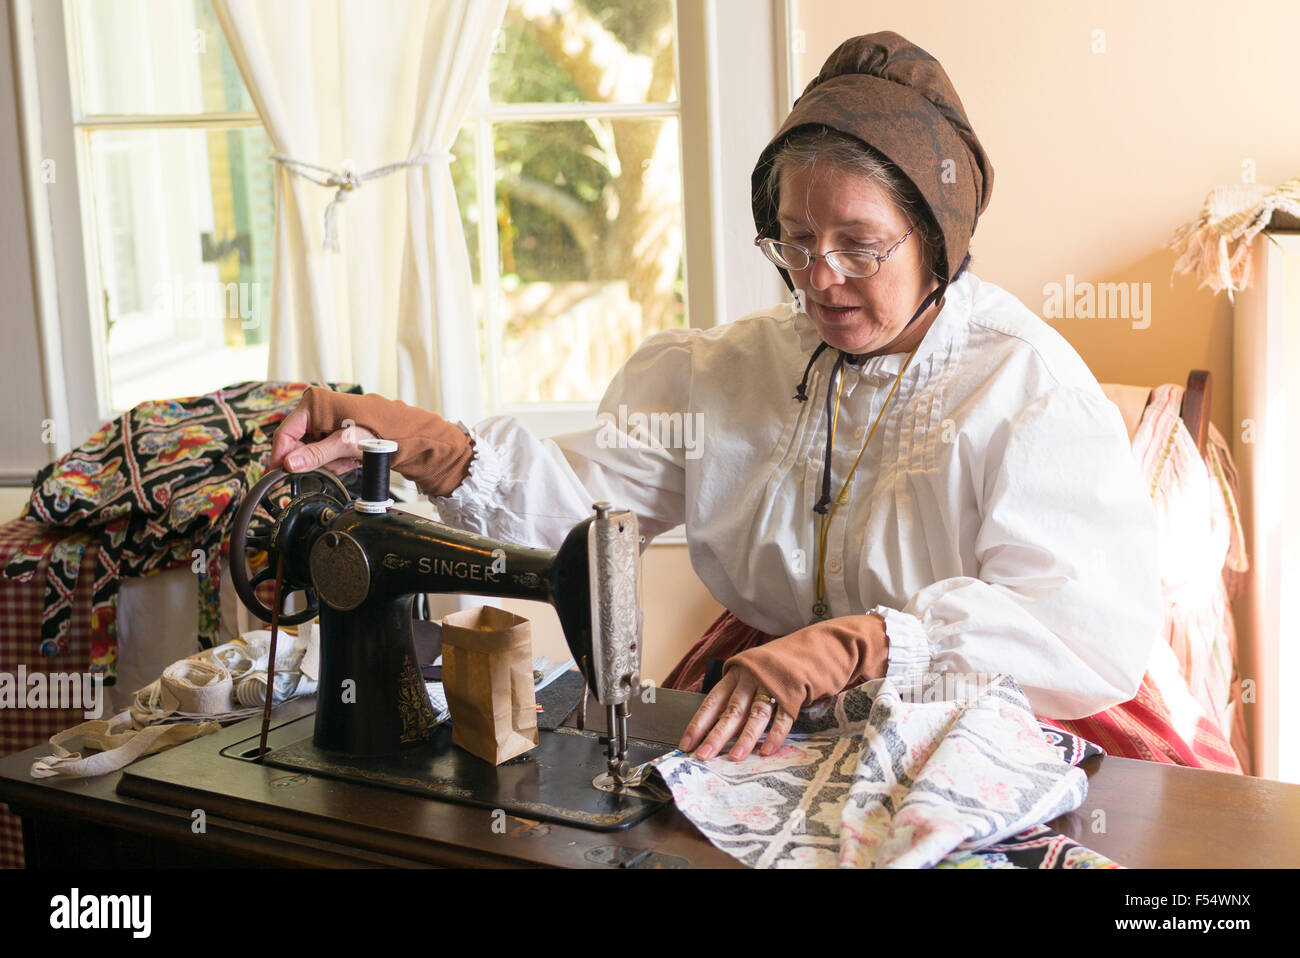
(374, 476)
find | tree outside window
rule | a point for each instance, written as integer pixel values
(569, 177)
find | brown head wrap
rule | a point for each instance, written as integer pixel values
(896, 98)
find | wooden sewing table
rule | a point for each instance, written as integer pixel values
(1155, 816)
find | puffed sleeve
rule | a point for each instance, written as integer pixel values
(533, 491)
(1067, 598)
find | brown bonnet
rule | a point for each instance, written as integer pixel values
(897, 99)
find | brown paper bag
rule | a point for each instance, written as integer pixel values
(487, 674)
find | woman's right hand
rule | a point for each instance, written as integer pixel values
(431, 452)
(338, 452)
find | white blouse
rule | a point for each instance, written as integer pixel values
(997, 521)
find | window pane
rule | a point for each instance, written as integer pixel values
(156, 56)
(590, 239)
(184, 222)
(598, 51)
(464, 176)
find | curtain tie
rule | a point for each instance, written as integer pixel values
(345, 181)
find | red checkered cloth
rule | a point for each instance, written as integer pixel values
(22, 608)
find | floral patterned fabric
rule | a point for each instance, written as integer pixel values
(1037, 847)
(879, 778)
(148, 489)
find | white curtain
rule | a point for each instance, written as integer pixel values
(359, 85)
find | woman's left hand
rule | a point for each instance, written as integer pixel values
(798, 669)
(730, 708)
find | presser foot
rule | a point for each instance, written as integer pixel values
(637, 783)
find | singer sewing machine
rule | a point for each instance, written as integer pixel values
(359, 565)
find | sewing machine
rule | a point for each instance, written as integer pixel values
(359, 564)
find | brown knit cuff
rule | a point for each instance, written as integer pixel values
(431, 452)
(818, 660)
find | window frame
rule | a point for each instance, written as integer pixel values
(542, 418)
(84, 126)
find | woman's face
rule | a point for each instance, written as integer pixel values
(827, 208)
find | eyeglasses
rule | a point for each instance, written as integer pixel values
(856, 263)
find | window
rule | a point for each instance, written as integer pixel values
(162, 213)
(177, 202)
(569, 176)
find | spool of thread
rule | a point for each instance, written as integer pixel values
(375, 458)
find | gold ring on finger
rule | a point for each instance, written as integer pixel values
(764, 697)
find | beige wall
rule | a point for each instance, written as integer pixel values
(1099, 157)
(677, 610)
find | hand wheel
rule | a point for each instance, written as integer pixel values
(259, 527)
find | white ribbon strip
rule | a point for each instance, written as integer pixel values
(345, 181)
(119, 742)
(191, 698)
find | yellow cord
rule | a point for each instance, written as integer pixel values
(824, 521)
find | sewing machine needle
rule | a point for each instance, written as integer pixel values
(582, 706)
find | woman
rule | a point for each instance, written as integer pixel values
(904, 473)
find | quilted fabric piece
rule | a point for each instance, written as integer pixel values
(879, 779)
(154, 489)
